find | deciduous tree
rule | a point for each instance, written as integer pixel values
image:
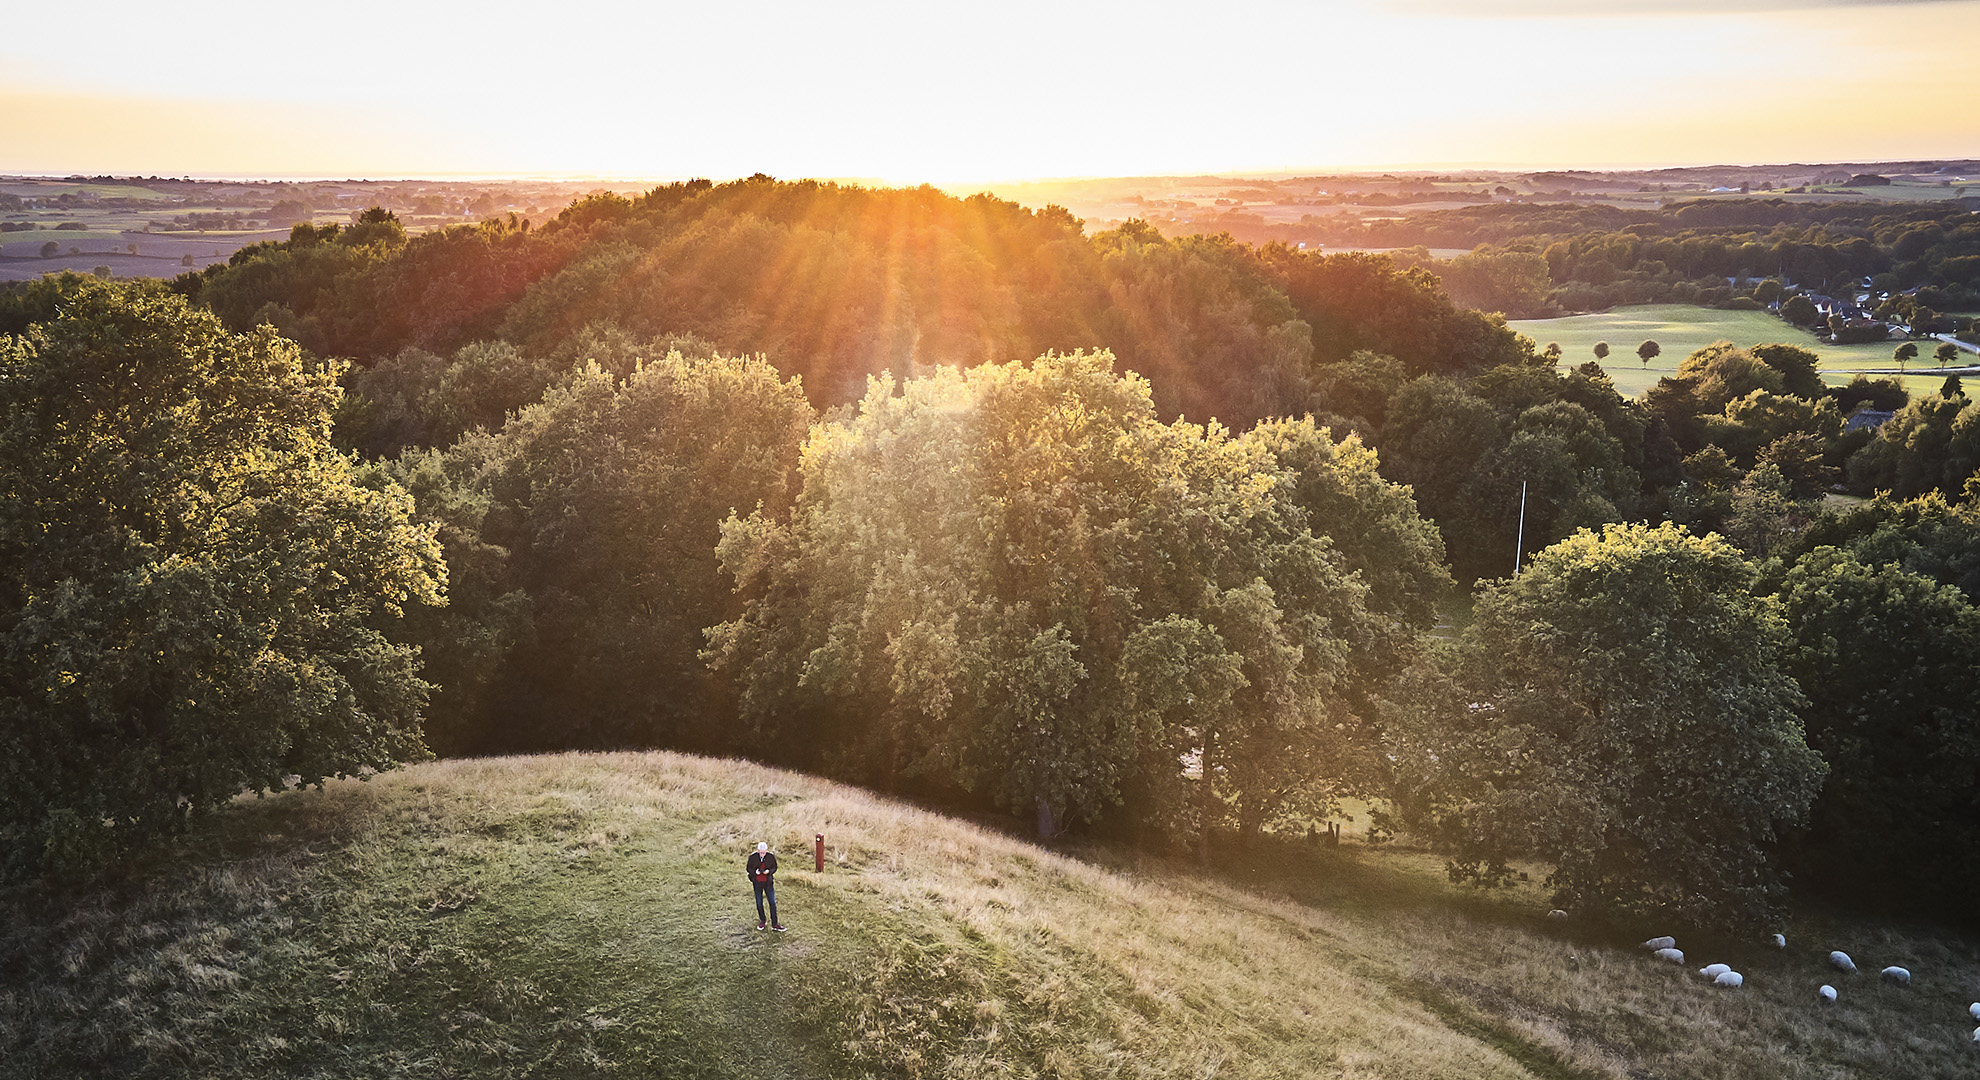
(1887, 659)
(189, 577)
(1618, 711)
(1016, 580)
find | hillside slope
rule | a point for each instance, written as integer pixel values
(587, 916)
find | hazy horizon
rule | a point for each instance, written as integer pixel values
(1377, 169)
(886, 92)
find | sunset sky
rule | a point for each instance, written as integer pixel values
(907, 92)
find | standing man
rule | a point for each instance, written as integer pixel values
(762, 868)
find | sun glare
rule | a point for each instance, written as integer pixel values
(910, 93)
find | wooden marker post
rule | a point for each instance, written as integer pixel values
(818, 852)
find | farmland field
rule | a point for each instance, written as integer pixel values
(1682, 329)
(48, 189)
(159, 254)
(1828, 193)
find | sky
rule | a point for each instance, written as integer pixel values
(907, 92)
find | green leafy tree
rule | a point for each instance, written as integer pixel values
(1353, 395)
(586, 528)
(1648, 351)
(1930, 535)
(1946, 353)
(1798, 310)
(191, 578)
(50, 249)
(1761, 417)
(1703, 501)
(1886, 658)
(1803, 463)
(1016, 581)
(1798, 367)
(1886, 394)
(1601, 351)
(1722, 372)
(1441, 439)
(1467, 448)
(1905, 353)
(1932, 444)
(1763, 516)
(1618, 711)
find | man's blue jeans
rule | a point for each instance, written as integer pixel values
(765, 890)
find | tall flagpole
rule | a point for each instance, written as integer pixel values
(1519, 545)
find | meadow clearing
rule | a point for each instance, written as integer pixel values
(1682, 329)
(586, 915)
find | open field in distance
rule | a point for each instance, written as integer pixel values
(1682, 329)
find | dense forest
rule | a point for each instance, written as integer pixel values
(1533, 260)
(1130, 533)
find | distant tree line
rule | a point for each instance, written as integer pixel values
(1720, 253)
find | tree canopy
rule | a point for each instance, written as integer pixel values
(1888, 660)
(1619, 710)
(587, 527)
(191, 582)
(1015, 578)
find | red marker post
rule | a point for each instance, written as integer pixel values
(818, 852)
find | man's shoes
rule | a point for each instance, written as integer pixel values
(778, 927)
(759, 924)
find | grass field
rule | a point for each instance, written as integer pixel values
(48, 189)
(586, 915)
(1682, 329)
(65, 237)
(1899, 192)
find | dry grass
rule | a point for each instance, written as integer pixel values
(586, 916)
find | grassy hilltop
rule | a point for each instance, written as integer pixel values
(586, 915)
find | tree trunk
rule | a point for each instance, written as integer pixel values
(1207, 799)
(1251, 821)
(1047, 826)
